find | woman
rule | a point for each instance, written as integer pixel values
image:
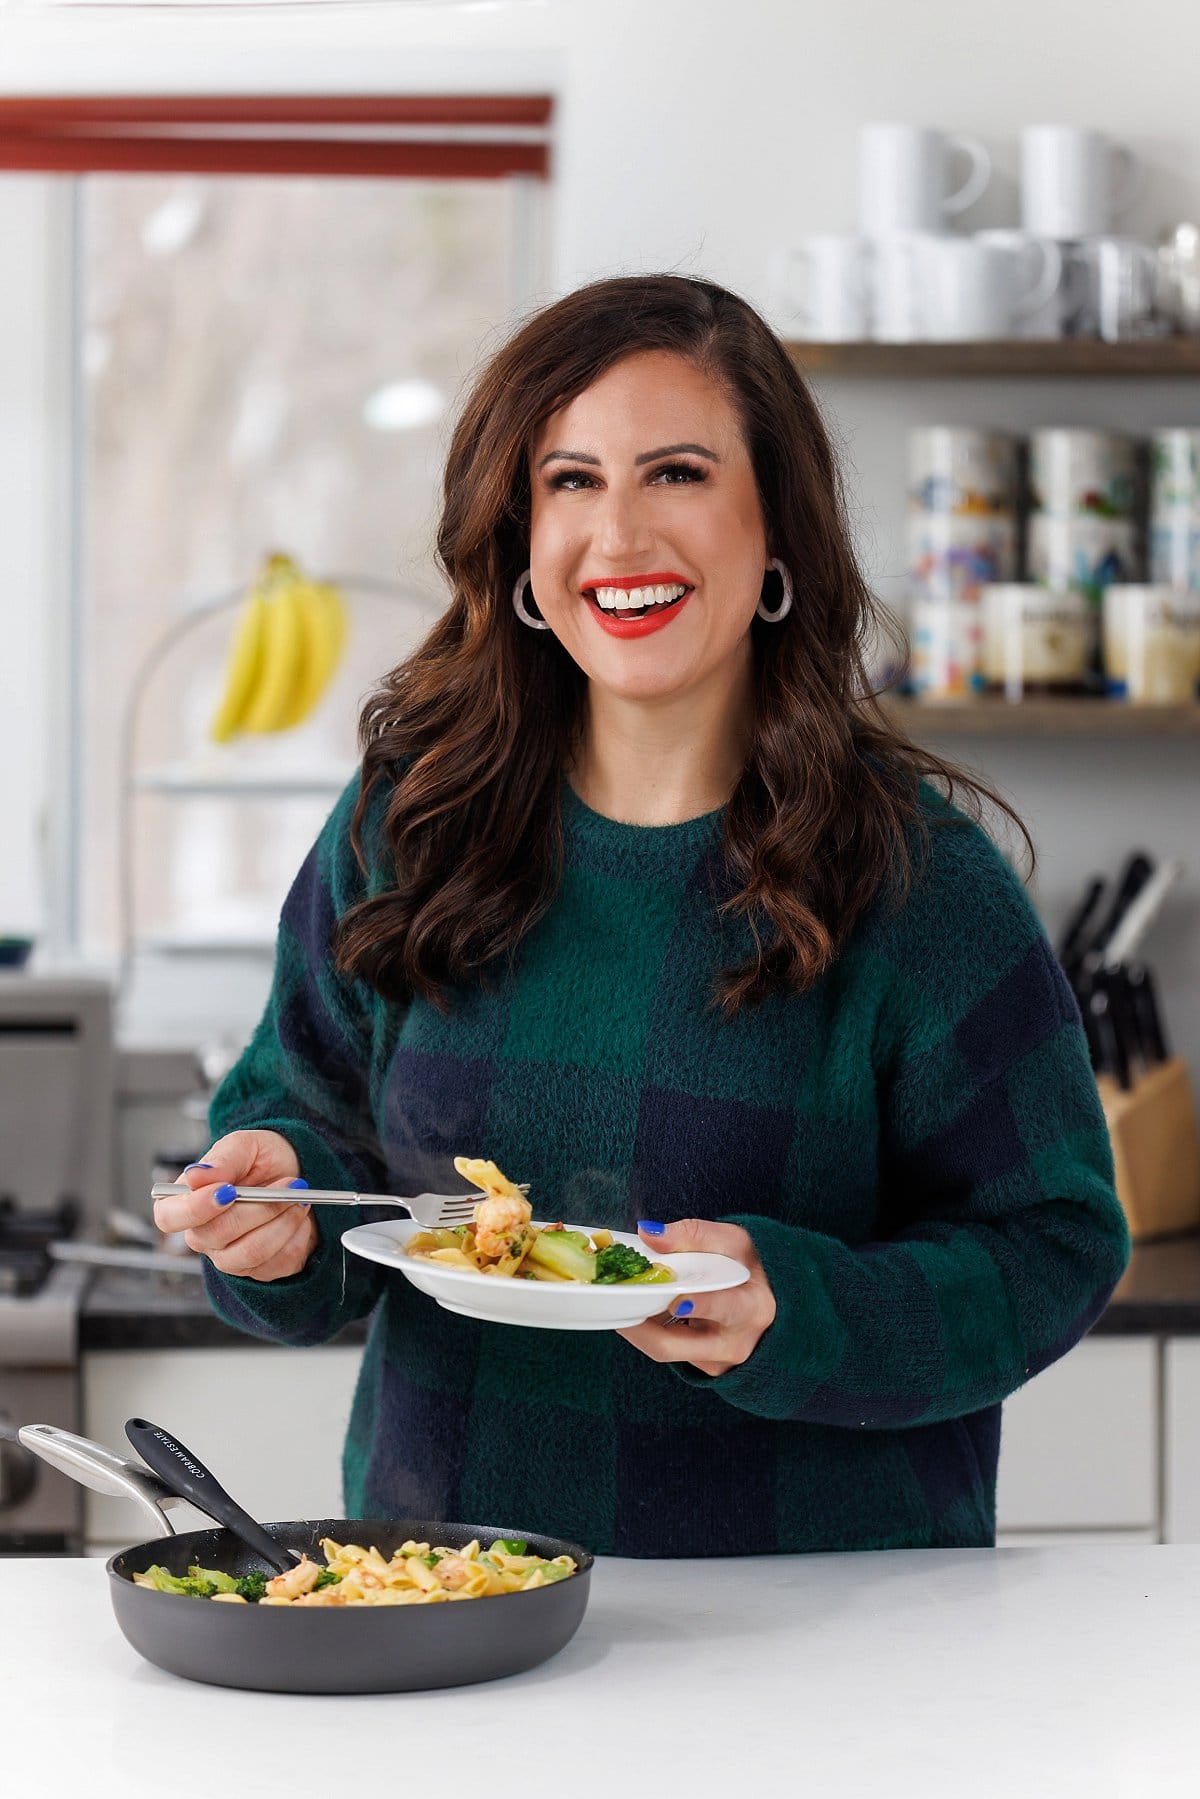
(636, 896)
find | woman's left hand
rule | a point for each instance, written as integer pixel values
(723, 1329)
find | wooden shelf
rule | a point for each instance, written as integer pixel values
(991, 716)
(1167, 357)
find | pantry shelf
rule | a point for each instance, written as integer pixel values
(1168, 358)
(994, 716)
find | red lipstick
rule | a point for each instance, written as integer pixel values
(670, 578)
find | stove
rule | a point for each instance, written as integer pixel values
(56, 1177)
(41, 1512)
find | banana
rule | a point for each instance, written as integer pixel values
(243, 669)
(325, 636)
(283, 658)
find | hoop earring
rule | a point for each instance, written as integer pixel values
(785, 604)
(526, 618)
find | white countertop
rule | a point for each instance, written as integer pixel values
(959, 1674)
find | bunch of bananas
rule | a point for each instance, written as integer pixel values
(289, 640)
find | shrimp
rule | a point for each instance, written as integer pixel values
(500, 1223)
(300, 1579)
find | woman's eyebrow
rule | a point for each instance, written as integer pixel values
(649, 456)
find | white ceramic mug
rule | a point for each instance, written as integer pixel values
(971, 288)
(819, 289)
(896, 312)
(904, 178)
(1042, 265)
(1073, 181)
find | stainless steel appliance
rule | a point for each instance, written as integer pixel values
(56, 1175)
(41, 1511)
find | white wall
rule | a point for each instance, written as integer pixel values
(696, 134)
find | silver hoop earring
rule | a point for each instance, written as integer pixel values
(526, 618)
(785, 604)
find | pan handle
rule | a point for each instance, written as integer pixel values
(188, 1477)
(101, 1469)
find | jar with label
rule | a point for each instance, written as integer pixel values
(947, 649)
(1175, 508)
(1152, 643)
(959, 470)
(1036, 640)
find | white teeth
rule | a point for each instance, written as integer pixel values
(612, 598)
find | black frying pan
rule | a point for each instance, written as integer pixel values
(285, 1649)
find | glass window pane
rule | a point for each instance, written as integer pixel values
(268, 364)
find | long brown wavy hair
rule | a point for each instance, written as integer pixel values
(473, 732)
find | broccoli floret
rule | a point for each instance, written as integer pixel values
(326, 1578)
(620, 1263)
(220, 1583)
(186, 1584)
(253, 1586)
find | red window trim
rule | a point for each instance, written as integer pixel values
(451, 136)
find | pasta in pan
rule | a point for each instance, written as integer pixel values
(415, 1574)
(503, 1240)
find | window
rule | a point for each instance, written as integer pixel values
(278, 301)
(267, 363)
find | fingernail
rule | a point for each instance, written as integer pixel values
(198, 1165)
(683, 1308)
(225, 1193)
(298, 1183)
(651, 1229)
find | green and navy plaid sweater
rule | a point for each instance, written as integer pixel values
(916, 1147)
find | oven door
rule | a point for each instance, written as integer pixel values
(41, 1511)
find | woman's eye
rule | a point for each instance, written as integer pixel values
(677, 473)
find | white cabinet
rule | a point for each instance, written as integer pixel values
(1079, 1445)
(1181, 1412)
(268, 1421)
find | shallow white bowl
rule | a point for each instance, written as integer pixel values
(546, 1305)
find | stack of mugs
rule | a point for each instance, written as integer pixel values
(962, 535)
(906, 275)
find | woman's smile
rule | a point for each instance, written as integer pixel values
(634, 605)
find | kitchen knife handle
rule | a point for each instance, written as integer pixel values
(1113, 1055)
(1145, 1004)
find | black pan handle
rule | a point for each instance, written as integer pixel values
(189, 1478)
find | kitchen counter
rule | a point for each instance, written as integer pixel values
(1160, 1292)
(997, 1673)
(132, 1310)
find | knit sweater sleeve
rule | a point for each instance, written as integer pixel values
(306, 1074)
(999, 1237)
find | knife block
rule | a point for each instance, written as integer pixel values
(1156, 1149)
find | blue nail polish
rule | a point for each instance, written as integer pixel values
(298, 1183)
(198, 1165)
(225, 1193)
(651, 1229)
(683, 1308)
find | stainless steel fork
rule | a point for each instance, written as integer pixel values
(435, 1211)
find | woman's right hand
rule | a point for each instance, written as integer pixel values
(258, 1242)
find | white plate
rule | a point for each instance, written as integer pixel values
(547, 1305)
